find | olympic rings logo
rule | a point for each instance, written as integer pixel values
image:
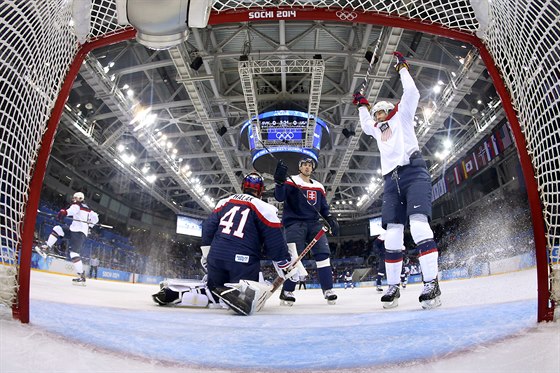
(346, 16)
(284, 135)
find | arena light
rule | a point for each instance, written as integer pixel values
(163, 24)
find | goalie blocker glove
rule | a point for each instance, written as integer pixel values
(286, 271)
(401, 61)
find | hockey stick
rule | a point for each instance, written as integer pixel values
(79, 221)
(279, 281)
(372, 58)
(323, 220)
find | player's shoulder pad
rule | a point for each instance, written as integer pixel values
(314, 184)
(265, 211)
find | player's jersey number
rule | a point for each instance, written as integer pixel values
(227, 221)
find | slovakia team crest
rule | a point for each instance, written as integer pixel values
(312, 197)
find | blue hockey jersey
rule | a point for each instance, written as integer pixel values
(301, 205)
(238, 228)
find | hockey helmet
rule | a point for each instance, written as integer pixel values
(78, 197)
(307, 160)
(382, 106)
(253, 184)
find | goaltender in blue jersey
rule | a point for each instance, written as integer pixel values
(236, 231)
(243, 222)
(233, 237)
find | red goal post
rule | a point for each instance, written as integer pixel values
(43, 49)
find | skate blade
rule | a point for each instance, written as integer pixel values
(331, 302)
(286, 303)
(79, 283)
(41, 252)
(431, 303)
(389, 305)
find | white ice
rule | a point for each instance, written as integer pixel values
(115, 327)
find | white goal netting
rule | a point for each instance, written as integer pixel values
(38, 42)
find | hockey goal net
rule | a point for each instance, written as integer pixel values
(43, 43)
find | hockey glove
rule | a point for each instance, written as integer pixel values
(360, 100)
(61, 215)
(333, 224)
(401, 61)
(281, 173)
(286, 271)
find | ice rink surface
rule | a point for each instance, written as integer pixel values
(486, 324)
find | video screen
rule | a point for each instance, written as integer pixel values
(189, 226)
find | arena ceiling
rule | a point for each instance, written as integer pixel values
(199, 112)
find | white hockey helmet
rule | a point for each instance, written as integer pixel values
(78, 197)
(382, 105)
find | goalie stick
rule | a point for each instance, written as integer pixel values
(80, 221)
(279, 281)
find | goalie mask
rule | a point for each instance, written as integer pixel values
(253, 184)
(78, 197)
(382, 106)
(307, 160)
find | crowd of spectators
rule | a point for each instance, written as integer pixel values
(498, 226)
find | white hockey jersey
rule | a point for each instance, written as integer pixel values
(83, 217)
(397, 149)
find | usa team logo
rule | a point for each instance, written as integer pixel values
(312, 197)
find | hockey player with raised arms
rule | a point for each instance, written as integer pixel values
(235, 231)
(407, 191)
(83, 218)
(305, 201)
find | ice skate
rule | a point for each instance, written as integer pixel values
(42, 250)
(379, 288)
(391, 298)
(80, 280)
(287, 298)
(430, 297)
(330, 296)
(403, 284)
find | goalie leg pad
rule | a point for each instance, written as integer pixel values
(193, 299)
(244, 297)
(166, 297)
(232, 297)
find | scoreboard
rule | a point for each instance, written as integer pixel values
(284, 134)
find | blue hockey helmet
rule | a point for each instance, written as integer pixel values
(253, 184)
